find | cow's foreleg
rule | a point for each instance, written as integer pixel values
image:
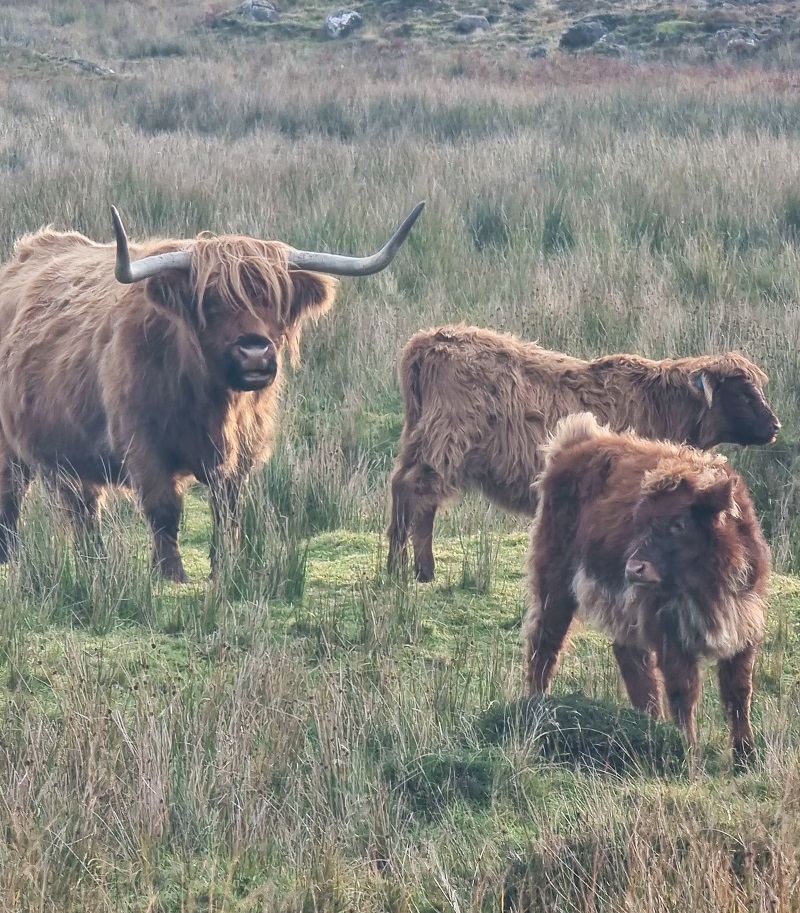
(639, 672)
(162, 503)
(682, 684)
(14, 482)
(736, 690)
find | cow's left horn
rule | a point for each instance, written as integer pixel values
(338, 265)
(128, 272)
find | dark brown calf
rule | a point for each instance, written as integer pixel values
(479, 404)
(658, 545)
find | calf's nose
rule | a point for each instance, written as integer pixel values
(640, 571)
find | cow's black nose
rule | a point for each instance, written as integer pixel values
(253, 346)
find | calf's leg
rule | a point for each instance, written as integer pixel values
(547, 622)
(422, 537)
(417, 492)
(553, 602)
(682, 684)
(399, 523)
(639, 672)
(736, 691)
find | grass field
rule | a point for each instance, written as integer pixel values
(304, 734)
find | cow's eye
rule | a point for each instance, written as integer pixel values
(678, 525)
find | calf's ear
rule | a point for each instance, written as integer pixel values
(312, 296)
(705, 384)
(718, 498)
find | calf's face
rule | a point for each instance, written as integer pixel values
(738, 412)
(671, 546)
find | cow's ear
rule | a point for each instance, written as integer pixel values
(704, 384)
(312, 296)
(718, 498)
(171, 290)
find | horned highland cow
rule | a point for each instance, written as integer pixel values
(658, 545)
(153, 372)
(478, 405)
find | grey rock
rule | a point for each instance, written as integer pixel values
(259, 10)
(342, 23)
(582, 34)
(537, 53)
(725, 36)
(741, 47)
(466, 25)
(609, 48)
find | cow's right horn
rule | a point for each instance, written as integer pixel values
(128, 272)
(339, 265)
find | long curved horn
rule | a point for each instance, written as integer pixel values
(335, 264)
(338, 265)
(128, 272)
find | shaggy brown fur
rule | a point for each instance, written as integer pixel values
(149, 385)
(478, 405)
(658, 545)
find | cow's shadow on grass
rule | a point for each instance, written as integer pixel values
(575, 730)
(571, 731)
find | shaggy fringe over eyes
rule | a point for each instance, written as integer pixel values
(240, 271)
(700, 470)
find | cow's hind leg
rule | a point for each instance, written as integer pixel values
(83, 503)
(14, 482)
(640, 674)
(736, 691)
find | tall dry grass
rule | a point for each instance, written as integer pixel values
(659, 215)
